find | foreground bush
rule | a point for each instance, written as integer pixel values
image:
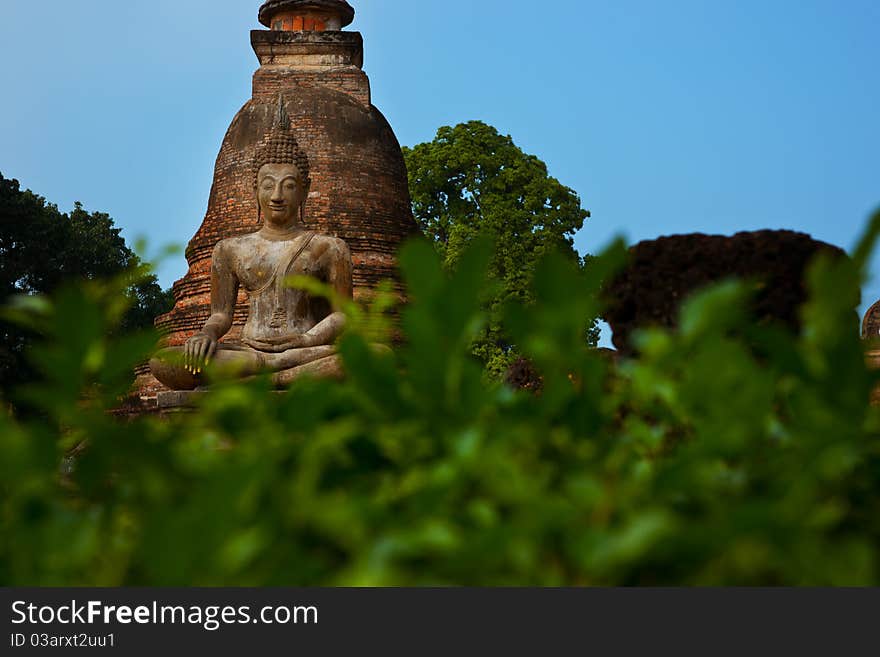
(725, 454)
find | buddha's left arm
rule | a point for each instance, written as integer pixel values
(337, 260)
(339, 270)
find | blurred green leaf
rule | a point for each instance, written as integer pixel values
(726, 453)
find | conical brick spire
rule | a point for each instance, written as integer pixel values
(358, 190)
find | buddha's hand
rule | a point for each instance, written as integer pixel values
(281, 344)
(198, 351)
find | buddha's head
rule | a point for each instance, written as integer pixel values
(281, 193)
(281, 174)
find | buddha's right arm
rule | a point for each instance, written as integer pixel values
(224, 292)
(200, 348)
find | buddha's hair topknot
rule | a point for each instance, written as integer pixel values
(279, 146)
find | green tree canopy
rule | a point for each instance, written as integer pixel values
(42, 248)
(472, 181)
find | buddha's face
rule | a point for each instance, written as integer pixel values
(280, 192)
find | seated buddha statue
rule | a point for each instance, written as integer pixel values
(288, 331)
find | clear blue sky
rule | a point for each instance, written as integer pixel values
(666, 117)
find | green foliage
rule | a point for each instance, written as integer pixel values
(472, 181)
(42, 249)
(726, 454)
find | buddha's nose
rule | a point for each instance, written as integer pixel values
(277, 195)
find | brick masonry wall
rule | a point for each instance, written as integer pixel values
(299, 21)
(359, 187)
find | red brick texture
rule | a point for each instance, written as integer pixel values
(299, 22)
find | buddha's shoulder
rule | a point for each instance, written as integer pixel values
(319, 243)
(233, 244)
(328, 243)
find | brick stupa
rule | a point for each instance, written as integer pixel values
(359, 184)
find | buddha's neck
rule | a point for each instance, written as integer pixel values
(280, 232)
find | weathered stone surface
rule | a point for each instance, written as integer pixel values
(311, 50)
(178, 399)
(662, 273)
